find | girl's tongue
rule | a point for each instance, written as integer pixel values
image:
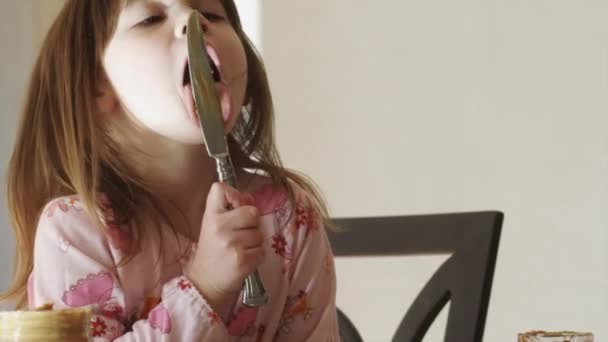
(189, 102)
(223, 98)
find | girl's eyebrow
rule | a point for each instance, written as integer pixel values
(129, 3)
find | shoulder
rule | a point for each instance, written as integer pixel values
(66, 206)
(295, 230)
(62, 213)
(274, 198)
(65, 222)
(292, 212)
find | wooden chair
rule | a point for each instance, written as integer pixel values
(464, 279)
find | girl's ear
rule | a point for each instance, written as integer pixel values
(105, 98)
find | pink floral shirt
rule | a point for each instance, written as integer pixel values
(149, 299)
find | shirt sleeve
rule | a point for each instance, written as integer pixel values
(74, 267)
(310, 311)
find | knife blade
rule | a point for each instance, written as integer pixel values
(203, 89)
(208, 108)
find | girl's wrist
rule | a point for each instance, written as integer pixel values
(220, 302)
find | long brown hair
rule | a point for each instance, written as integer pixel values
(62, 149)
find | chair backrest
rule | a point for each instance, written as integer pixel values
(464, 279)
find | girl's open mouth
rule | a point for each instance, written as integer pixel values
(220, 86)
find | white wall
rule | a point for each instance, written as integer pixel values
(411, 106)
(249, 11)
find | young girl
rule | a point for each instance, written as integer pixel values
(115, 203)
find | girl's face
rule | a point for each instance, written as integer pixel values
(146, 63)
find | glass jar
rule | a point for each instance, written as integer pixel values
(562, 336)
(47, 325)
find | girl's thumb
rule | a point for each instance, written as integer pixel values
(222, 197)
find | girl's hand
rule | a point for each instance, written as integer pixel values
(230, 246)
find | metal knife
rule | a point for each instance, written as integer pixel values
(209, 112)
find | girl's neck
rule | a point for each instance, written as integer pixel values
(181, 176)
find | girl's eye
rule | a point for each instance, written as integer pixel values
(212, 16)
(151, 20)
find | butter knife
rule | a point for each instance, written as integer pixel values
(210, 118)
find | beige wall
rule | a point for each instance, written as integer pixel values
(406, 107)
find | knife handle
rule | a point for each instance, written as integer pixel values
(225, 170)
(254, 293)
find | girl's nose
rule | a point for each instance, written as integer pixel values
(181, 28)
